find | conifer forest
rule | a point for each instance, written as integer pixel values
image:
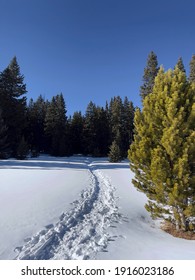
(158, 139)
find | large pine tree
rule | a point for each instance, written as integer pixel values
(150, 73)
(116, 122)
(102, 132)
(162, 154)
(127, 126)
(56, 127)
(76, 133)
(121, 115)
(13, 103)
(89, 130)
(96, 131)
(35, 132)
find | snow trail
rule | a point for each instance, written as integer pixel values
(81, 232)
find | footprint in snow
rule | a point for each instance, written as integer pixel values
(49, 226)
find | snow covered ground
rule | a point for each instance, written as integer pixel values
(78, 208)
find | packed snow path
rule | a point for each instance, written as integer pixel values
(81, 232)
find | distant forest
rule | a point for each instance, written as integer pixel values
(42, 126)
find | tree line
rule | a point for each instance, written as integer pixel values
(42, 126)
(51, 131)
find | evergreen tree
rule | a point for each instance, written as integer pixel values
(56, 127)
(192, 69)
(150, 73)
(96, 135)
(76, 134)
(36, 117)
(22, 149)
(121, 116)
(115, 152)
(116, 113)
(4, 150)
(89, 129)
(127, 126)
(101, 132)
(180, 65)
(162, 154)
(13, 103)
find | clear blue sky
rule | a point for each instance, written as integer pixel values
(93, 49)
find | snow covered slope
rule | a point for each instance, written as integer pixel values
(78, 208)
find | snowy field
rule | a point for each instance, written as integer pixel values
(78, 208)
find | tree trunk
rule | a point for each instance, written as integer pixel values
(177, 218)
(184, 222)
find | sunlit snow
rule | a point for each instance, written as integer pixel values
(78, 208)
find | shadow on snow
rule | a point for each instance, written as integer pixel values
(60, 163)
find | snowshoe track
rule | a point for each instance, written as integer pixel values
(81, 232)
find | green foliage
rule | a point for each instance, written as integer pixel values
(150, 73)
(36, 113)
(76, 132)
(101, 126)
(162, 154)
(22, 149)
(4, 146)
(90, 129)
(13, 103)
(96, 131)
(115, 152)
(180, 65)
(56, 127)
(121, 116)
(46, 128)
(192, 69)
